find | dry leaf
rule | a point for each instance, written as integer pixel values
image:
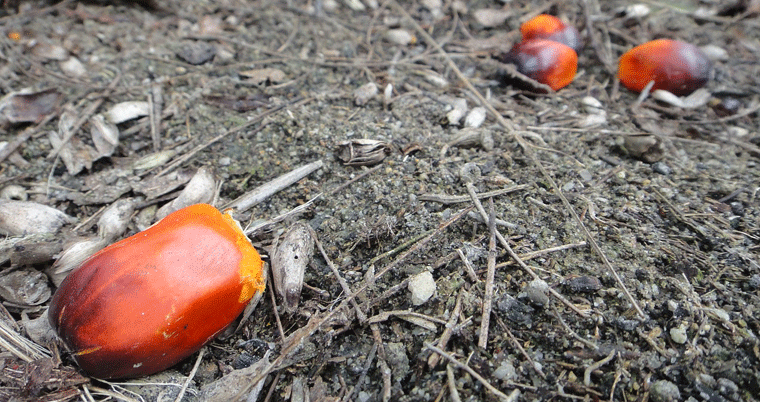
(26, 287)
(262, 75)
(75, 154)
(125, 111)
(28, 108)
(105, 135)
(50, 51)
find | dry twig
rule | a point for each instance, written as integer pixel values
(485, 320)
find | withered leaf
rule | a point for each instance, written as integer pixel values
(262, 75)
(238, 103)
(29, 108)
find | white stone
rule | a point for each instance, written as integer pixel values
(422, 287)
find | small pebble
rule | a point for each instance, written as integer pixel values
(661, 168)
(583, 284)
(728, 388)
(506, 371)
(678, 334)
(737, 208)
(754, 281)
(536, 292)
(422, 286)
(197, 53)
(665, 391)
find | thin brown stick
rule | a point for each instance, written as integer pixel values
(575, 335)
(343, 284)
(156, 100)
(264, 191)
(190, 376)
(538, 253)
(453, 199)
(523, 265)
(485, 320)
(385, 371)
(452, 383)
(270, 287)
(449, 329)
(469, 370)
(23, 137)
(468, 266)
(596, 365)
(519, 347)
(367, 364)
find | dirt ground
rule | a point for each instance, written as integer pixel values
(635, 221)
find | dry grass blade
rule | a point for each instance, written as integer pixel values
(20, 346)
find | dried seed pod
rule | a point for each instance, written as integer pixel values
(549, 27)
(114, 220)
(548, 62)
(147, 302)
(674, 66)
(470, 137)
(647, 148)
(73, 255)
(291, 255)
(363, 152)
(199, 190)
(19, 218)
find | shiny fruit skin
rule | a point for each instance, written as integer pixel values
(675, 66)
(549, 27)
(545, 61)
(147, 302)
